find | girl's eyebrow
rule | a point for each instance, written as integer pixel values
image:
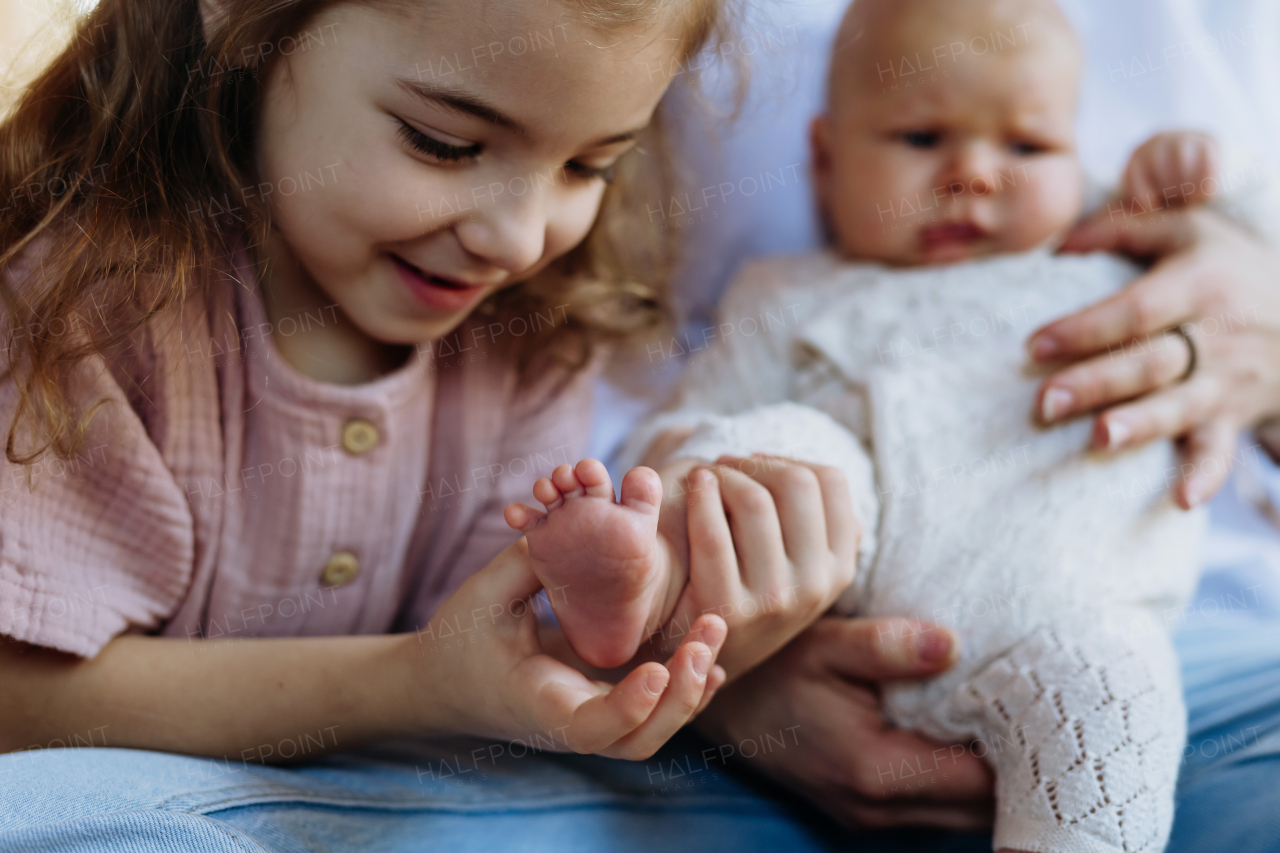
(473, 106)
(461, 103)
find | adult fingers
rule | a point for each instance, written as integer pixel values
(797, 496)
(1166, 296)
(880, 649)
(690, 668)
(1170, 413)
(960, 817)
(1143, 236)
(1122, 374)
(901, 765)
(1207, 462)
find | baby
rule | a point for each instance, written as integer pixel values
(947, 172)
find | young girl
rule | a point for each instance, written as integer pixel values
(297, 296)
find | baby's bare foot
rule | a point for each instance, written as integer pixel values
(599, 559)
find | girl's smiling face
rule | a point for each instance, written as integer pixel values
(462, 147)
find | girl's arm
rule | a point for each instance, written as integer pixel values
(244, 700)
(247, 700)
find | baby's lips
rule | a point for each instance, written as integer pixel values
(952, 232)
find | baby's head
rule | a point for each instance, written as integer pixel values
(950, 130)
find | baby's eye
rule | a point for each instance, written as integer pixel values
(922, 138)
(1026, 149)
(435, 148)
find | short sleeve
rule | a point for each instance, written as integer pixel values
(96, 545)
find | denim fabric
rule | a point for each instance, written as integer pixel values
(465, 796)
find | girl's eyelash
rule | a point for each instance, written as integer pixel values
(582, 170)
(447, 153)
(433, 147)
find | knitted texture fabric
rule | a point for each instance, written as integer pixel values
(1056, 567)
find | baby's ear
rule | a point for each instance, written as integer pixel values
(820, 143)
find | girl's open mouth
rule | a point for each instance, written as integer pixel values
(437, 291)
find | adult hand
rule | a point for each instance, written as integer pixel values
(844, 757)
(1220, 285)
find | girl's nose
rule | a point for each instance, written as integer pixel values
(510, 235)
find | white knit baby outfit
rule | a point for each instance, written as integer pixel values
(1057, 568)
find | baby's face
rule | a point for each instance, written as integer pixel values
(974, 157)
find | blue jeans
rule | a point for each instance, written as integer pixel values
(472, 796)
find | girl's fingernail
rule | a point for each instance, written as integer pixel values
(1115, 434)
(1043, 348)
(1194, 492)
(1056, 402)
(656, 682)
(934, 647)
(702, 662)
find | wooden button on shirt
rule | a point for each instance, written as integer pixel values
(259, 502)
(359, 437)
(342, 568)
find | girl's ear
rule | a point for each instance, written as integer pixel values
(820, 158)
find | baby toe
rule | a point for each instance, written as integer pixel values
(547, 494)
(566, 480)
(595, 478)
(642, 489)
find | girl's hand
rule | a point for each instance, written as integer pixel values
(845, 758)
(482, 671)
(1220, 285)
(1173, 169)
(772, 544)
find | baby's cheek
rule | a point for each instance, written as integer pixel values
(1047, 202)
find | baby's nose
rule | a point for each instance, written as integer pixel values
(976, 166)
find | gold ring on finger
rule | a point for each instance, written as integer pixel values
(1193, 353)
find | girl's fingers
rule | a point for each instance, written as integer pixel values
(753, 518)
(1171, 413)
(690, 669)
(797, 497)
(1166, 296)
(1208, 454)
(843, 530)
(715, 680)
(1126, 372)
(598, 721)
(713, 564)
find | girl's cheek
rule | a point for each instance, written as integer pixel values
(571, 220)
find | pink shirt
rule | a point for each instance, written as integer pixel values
(223, 494)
